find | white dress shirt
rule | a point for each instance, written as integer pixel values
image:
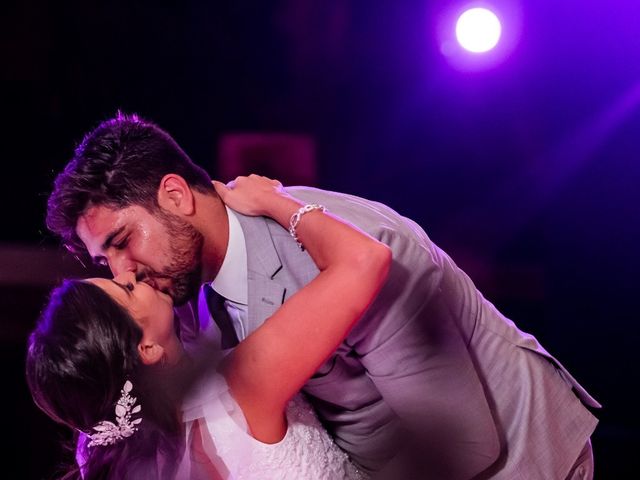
(231, 281)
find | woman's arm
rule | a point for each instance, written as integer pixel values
(275, 361)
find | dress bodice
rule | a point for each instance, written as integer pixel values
(306, 451)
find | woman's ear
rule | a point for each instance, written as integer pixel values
(175, 195)
(150, 353)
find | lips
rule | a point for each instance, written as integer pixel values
(151, 283)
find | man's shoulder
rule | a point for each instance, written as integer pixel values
(374, 217)
(350, 207)
(310, 193)
(303, 193)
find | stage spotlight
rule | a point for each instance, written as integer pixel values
(477, 35)
(478, 30)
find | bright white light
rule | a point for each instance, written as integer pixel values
(478, 30)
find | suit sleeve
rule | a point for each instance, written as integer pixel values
(412, 346)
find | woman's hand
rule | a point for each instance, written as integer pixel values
(253, 195)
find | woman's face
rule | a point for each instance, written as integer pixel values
(151, 309)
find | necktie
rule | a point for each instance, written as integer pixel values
(215, 302)
(187, 325)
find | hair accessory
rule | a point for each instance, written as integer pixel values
(295, 219)
(108, 433)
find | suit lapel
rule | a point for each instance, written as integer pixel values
(263, 263)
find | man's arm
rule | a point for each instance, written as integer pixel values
(412, 348)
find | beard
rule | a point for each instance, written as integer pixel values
(184, 272)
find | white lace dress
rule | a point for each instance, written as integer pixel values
(306, 452)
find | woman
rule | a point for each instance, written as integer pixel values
(104, 348)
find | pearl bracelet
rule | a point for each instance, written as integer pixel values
(295, 220)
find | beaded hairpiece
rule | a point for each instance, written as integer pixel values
(108, 433)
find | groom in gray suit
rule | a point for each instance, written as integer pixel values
(433, 381)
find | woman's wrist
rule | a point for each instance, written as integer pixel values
(281, 208)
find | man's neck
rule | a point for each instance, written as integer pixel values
(231, 280)
(213, 223)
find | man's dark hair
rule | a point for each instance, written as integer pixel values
(118, 164)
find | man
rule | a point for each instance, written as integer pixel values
(432, 379)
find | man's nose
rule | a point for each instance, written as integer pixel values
(119, 264)
(125, 277)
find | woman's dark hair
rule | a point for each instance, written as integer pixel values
(80, 354)
(118, 164)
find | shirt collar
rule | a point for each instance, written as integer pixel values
(231, 281)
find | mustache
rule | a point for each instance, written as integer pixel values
(149, 277)
(181, 285)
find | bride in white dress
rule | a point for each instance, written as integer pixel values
(248, 421)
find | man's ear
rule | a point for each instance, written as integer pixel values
(175, 195)
(150, 353)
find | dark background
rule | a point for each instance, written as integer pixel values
(526, 173)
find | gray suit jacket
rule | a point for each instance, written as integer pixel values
(432, 368)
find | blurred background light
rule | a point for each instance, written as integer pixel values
(478, 30)
(478, 35)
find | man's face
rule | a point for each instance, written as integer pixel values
(162, 249)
